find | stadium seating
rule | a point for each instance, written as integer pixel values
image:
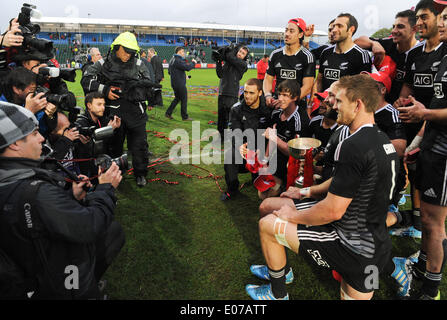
(163, 44)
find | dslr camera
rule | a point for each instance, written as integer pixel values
(105, 161)
(67, 74)
(141, 90)
(62, 101)
(29, 30)
(99, 137)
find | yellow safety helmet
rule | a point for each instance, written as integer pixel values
(127, 40)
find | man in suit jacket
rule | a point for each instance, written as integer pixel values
(157, 65)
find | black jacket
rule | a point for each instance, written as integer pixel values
(230, 74)
(85, 151)
(149, 68)
(68, 229)
(86, 65)
(113, 72)
(177, 68)
(243, 117)
(157, 65)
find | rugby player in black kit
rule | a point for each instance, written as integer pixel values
(288, 122)
(292, 62)
(397, 47)
(346, 230)
(431, 176)
(421, 67)
(345, 57)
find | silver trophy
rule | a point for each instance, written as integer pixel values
(298, 148)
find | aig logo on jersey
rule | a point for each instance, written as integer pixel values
(423, 80)
(288, 74)
(332, 74)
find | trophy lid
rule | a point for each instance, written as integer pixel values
(297, 147)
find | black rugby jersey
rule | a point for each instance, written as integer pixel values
(400, 59)
(334, 65)
(366, 167)
(317, 130)
(421, 68)
(296, 124)
(295, 67)
(328, 161)
(435, 136)
(317, 51)
(387, 119)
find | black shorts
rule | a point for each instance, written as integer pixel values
(431, 178)
(324, 246)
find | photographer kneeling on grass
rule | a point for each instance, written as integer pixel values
(63, 241)
(93, 117)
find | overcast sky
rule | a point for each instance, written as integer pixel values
(372, 15)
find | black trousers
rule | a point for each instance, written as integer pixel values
(224, 104)
(181, 95)
(107, 248)
(136, 144)
(158, 98)
(232, 170)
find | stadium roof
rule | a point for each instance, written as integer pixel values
(77, 23)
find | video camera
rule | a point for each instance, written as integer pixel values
(29, 30)
(68, 74)
(219, 54)
(63, 101)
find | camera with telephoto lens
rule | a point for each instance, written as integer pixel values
(62, 101)
(85, 131)
(68, 74)
(29, 30)
(105, 161)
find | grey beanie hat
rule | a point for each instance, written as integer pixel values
(16, 123)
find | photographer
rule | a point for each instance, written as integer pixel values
(93, 117)
(20, 89)
(62, 141)
(125, 82)
(76, 229)
(50, 79)
(230, 73)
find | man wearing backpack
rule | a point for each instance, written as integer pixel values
(62, 240)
